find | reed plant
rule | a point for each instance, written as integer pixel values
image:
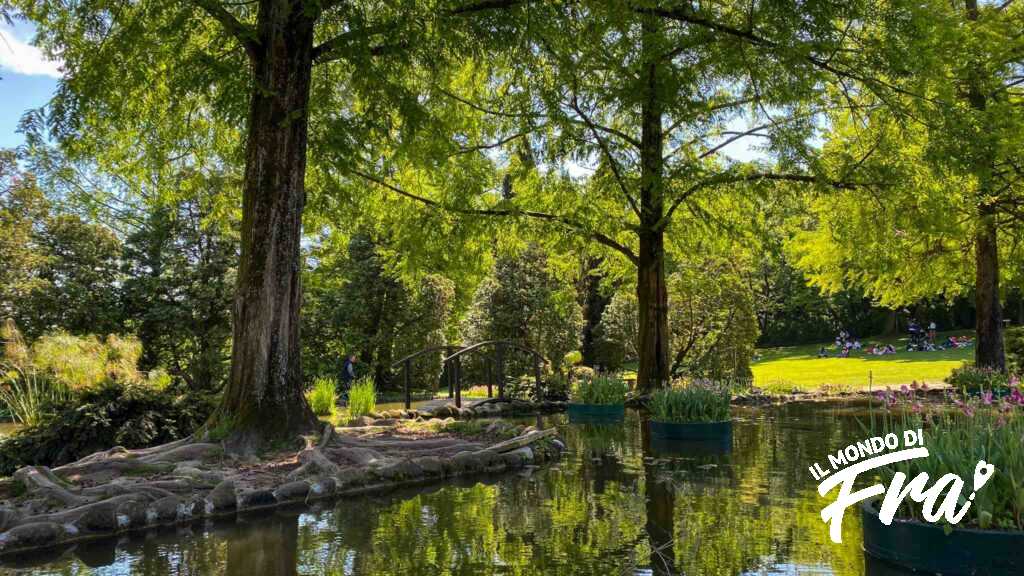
(958, 434)
(693, 403)
(606, 389)
(362, 398)
(28, 394)
(323, 397)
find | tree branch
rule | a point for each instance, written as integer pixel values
(612, 162)
(330, 50)
(689, 16)
(596, 236)
(243, 33)
(718, 180)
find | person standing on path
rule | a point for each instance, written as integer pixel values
(348, 372)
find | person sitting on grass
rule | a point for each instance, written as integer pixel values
(823, 352)
(889, 349)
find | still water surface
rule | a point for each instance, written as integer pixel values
(614, 505)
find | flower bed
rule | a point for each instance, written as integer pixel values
(959, 434)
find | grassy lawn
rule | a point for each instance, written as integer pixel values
(798, 367)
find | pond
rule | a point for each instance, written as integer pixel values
(614, 505)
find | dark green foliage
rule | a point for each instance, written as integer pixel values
(133, 416)
(177, 292)
(524, 301)
(356, 303)
(1013, 340)
(58, 269)
(972, 379)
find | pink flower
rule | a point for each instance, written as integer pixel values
(916, 408)
(986, 397)
(914, 385)
(924, 386)
(904, 389)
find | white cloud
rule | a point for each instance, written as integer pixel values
(19, 57)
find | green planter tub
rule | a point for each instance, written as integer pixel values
(702, 431)
(596, 412)
(927, 548)
(690, 448)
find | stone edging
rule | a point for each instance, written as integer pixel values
(131, 513)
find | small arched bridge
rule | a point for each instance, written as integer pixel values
(452, 358)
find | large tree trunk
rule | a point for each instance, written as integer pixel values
(988, 351)
(263, 399)
(651, 291)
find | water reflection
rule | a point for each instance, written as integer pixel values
(619, 503)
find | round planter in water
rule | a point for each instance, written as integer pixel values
(691, 448)
(596, 412)
(705, 431)
(926, 547)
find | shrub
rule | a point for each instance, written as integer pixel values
(323, 397)
(362, 398)
(75, 362)
(583, 372)
(971, 379)
(602, 389)
(113, 414)
(28, 394)
(978, 428)
(572, 358)
(694, 403)
(1013, 342)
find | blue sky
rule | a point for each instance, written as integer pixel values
(27, 79)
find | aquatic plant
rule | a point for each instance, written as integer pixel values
(28, 394)
(323, 397)
(958, 434)
(362, 398)
(601, 389)
(693, 403)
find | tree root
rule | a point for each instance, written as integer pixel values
(122, 452)
(313, 460)
(41, 481)
(520, 441)
(118, 489)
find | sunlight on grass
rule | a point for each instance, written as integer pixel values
(798, 367)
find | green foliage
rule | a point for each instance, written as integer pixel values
(1013, 342)
(362, 398)
(60, 270)
(693, 403)
(601, 389)
(978, 429)
(114, 414)
(323, 397)
(27, 395)
(357, 303)
(76, 362)
(524, 300)
(712, 322)
(572, 358)
(177, 289)
(971, 379)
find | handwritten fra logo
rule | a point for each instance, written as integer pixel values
(938, 501)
